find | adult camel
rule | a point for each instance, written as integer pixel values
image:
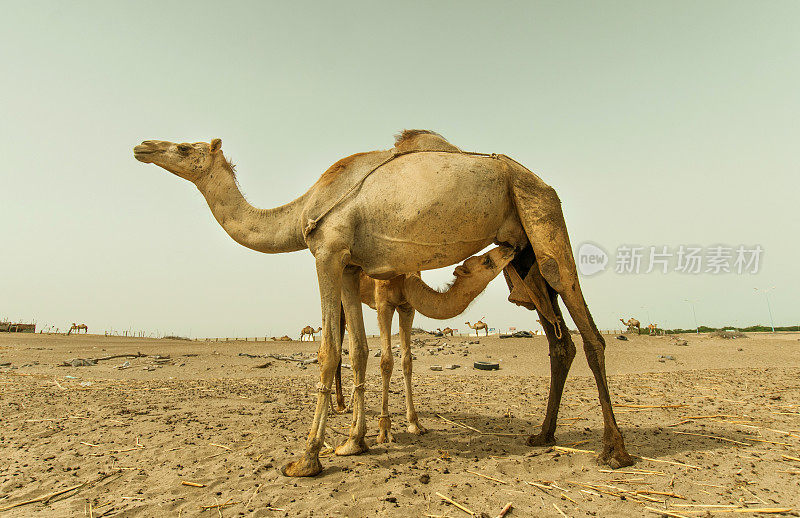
(433, 221)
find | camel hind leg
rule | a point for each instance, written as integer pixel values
(539, 210)
(406, 313)
(385, 315)
(337, 380)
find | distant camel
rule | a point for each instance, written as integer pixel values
(632, 324)
(654, 330)
(310, 331)
(480, 324)
(77, 328)
(446, 331)
(284, 338)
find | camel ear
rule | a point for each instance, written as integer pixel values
(216, 145)
(462, 271)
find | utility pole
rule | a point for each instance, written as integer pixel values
(769, 306)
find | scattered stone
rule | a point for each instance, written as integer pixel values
(149, 368)
(86, 383)
(452, 366)
(425, 478)
(622, 337)
(436, 367)
(79, 362)
(377, 354)
(125, 365)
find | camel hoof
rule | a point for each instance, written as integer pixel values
(302, 468)
(385, 436)
(338, 409)
(417, 429)
(541, 439)
(615, 458)
(352, 447)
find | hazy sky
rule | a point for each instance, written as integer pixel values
(659, 123)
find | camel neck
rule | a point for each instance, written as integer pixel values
(270, 231)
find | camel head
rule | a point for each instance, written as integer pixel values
(189, 161)
(488, 265)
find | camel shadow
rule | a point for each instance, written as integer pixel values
(496, 439)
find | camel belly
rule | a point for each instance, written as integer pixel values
(424, 212)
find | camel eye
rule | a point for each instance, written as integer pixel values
(184, 148)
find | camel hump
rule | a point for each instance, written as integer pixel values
(422, 140)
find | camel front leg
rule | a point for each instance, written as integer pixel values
(385, 315)
(351, 300)
(406, 313)
(329, 276)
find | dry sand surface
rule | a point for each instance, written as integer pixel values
(718, 424)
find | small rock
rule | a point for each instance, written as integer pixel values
(81, 362)
(425, 478)
(436, 367)
(623, 338)
(149, 368)
(452, 366)
(392, 499)
(377, 354)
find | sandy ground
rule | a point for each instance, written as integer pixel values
(208, 416)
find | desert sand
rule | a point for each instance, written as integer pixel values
(714, 423)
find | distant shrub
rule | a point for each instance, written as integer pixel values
(173, 337)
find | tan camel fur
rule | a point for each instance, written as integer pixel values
(77, 328)
(632, 324)
(471, 278)
(446, 331)
(654, 330)
(310, 331)
(480, 324)
(284, 338)
(387, 214)
(388, 296)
